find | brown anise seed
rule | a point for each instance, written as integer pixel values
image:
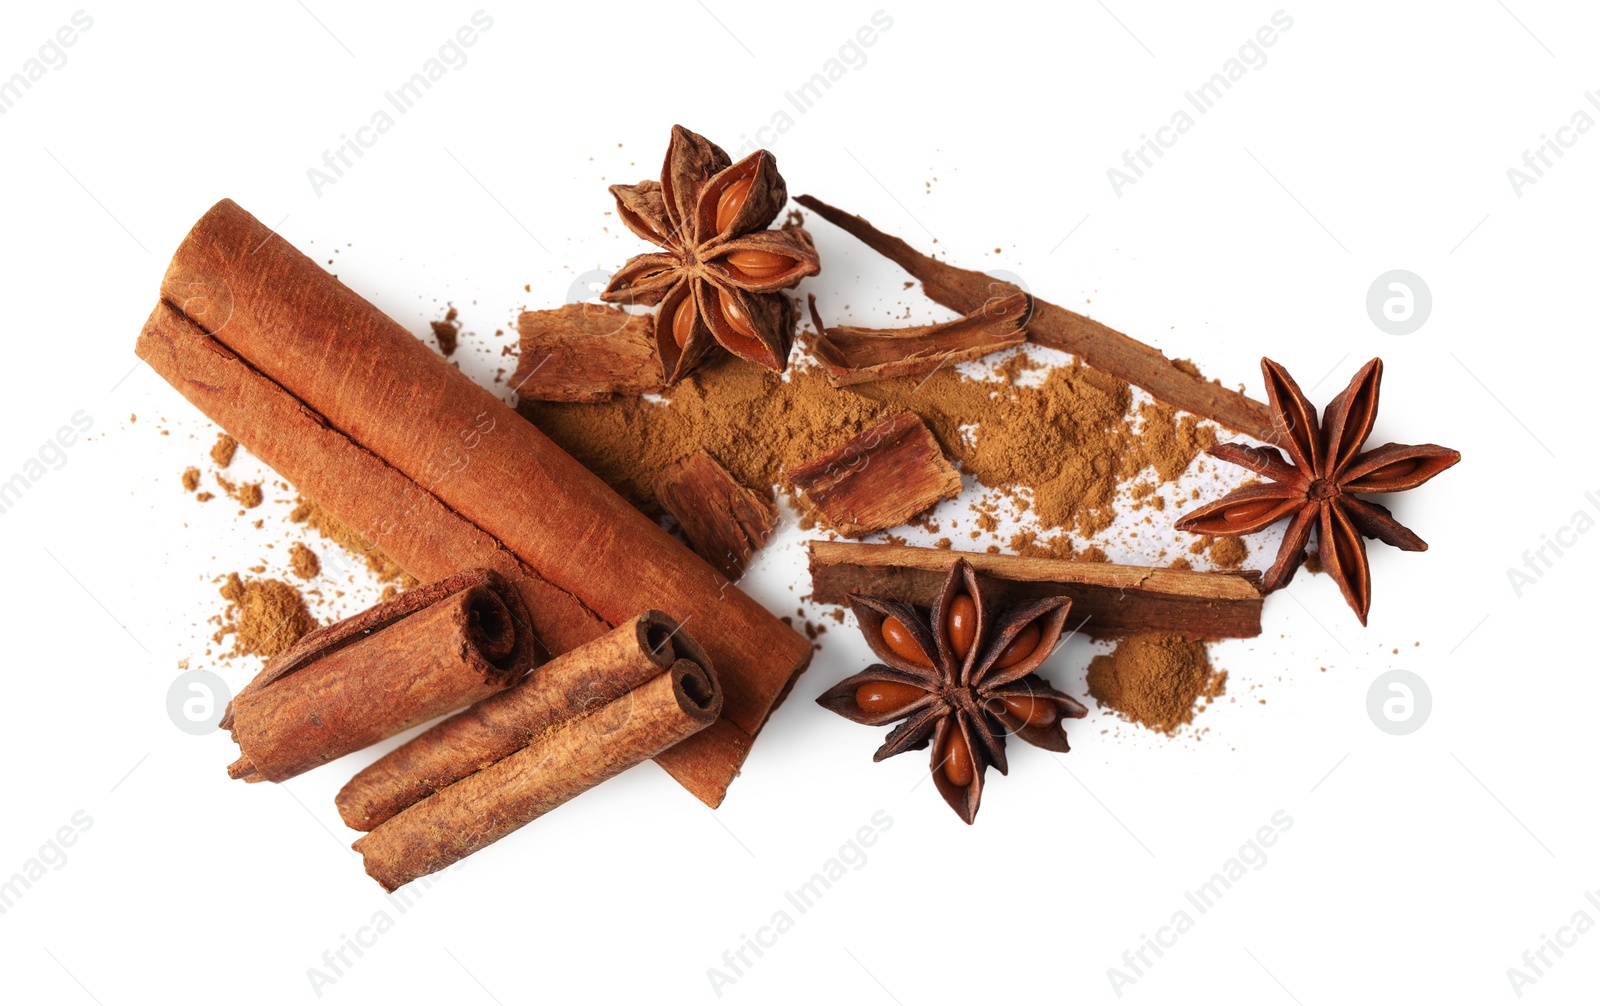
(1246, 512)
(883, 696)
(1020, 648)
(1033, 711)
(734, 312)
(683, 321)
(898, 638)
(758, 264)
(732, 201)
(957, 759)
(962, 624)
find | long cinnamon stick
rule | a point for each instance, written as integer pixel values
(419, 460)
(429, 651)
(1098, 346)
(1115, 600)
(557, 765)
(597, 673)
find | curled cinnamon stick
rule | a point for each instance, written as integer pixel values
(851, 355)
(1097, 345)
(556, 765)
(594, 674)
(429, 651)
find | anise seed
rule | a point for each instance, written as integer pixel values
(683, 321)
(757, 264)
(883, 696)
(1034, 711)
(732, 201)
(1020, 648)
(962, 624)
(898, 638)
(957, 759)
(733, 311)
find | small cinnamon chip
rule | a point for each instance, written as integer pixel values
(191, 479)
(305, 562)
(724, 521)
(851, 355)
(882, 478)
(586, 353)
(446, 332)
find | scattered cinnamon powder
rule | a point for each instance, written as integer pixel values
(1156, 680)
(264, 616)
(222, 450)
(304, 561)
(1228, 553)
(205, 497)
(330, 527)
(191, 479)
(1065, 443)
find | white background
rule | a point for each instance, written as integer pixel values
(1375, 137)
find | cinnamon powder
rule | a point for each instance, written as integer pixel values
(265, 616)
(1156, 680)
(1058, 445)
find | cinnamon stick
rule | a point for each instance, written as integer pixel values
(725, 522)
(563, 761)
(438, 472)
(1098, 346)
(883, 477)
(597, 673)
(1115, 600)
(428, 652)
(851, 355)
(586, 353)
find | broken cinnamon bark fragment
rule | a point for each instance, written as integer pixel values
(851, 355)
(586, 353)
(1095, 344)
(1108, 600)
(726, 523)
(879, 479)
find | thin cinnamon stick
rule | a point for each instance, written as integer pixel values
(586, 353)
(428, 652)
(851, 355)
(1098, 346)
(557, 765)
(580, 680)
(1114, 600)
(725, 522)
(418, 459)
(881, 478)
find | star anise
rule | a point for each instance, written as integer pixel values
(1317, 485)
(717, 279)
(961, 678)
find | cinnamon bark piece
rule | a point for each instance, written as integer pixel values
(428, 652)
(556, 765)
(1114, 600)
(573, 684)
(725, 522)
(586, 353)
(1095, 344)
(398, 439)
(883, 477)
(851, 355)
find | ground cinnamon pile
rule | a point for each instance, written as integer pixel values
(1155, 680)
(265, 617)
(1057, 444)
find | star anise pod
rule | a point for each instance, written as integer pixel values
(961, 678)
(716, 280)
(1318, 483)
